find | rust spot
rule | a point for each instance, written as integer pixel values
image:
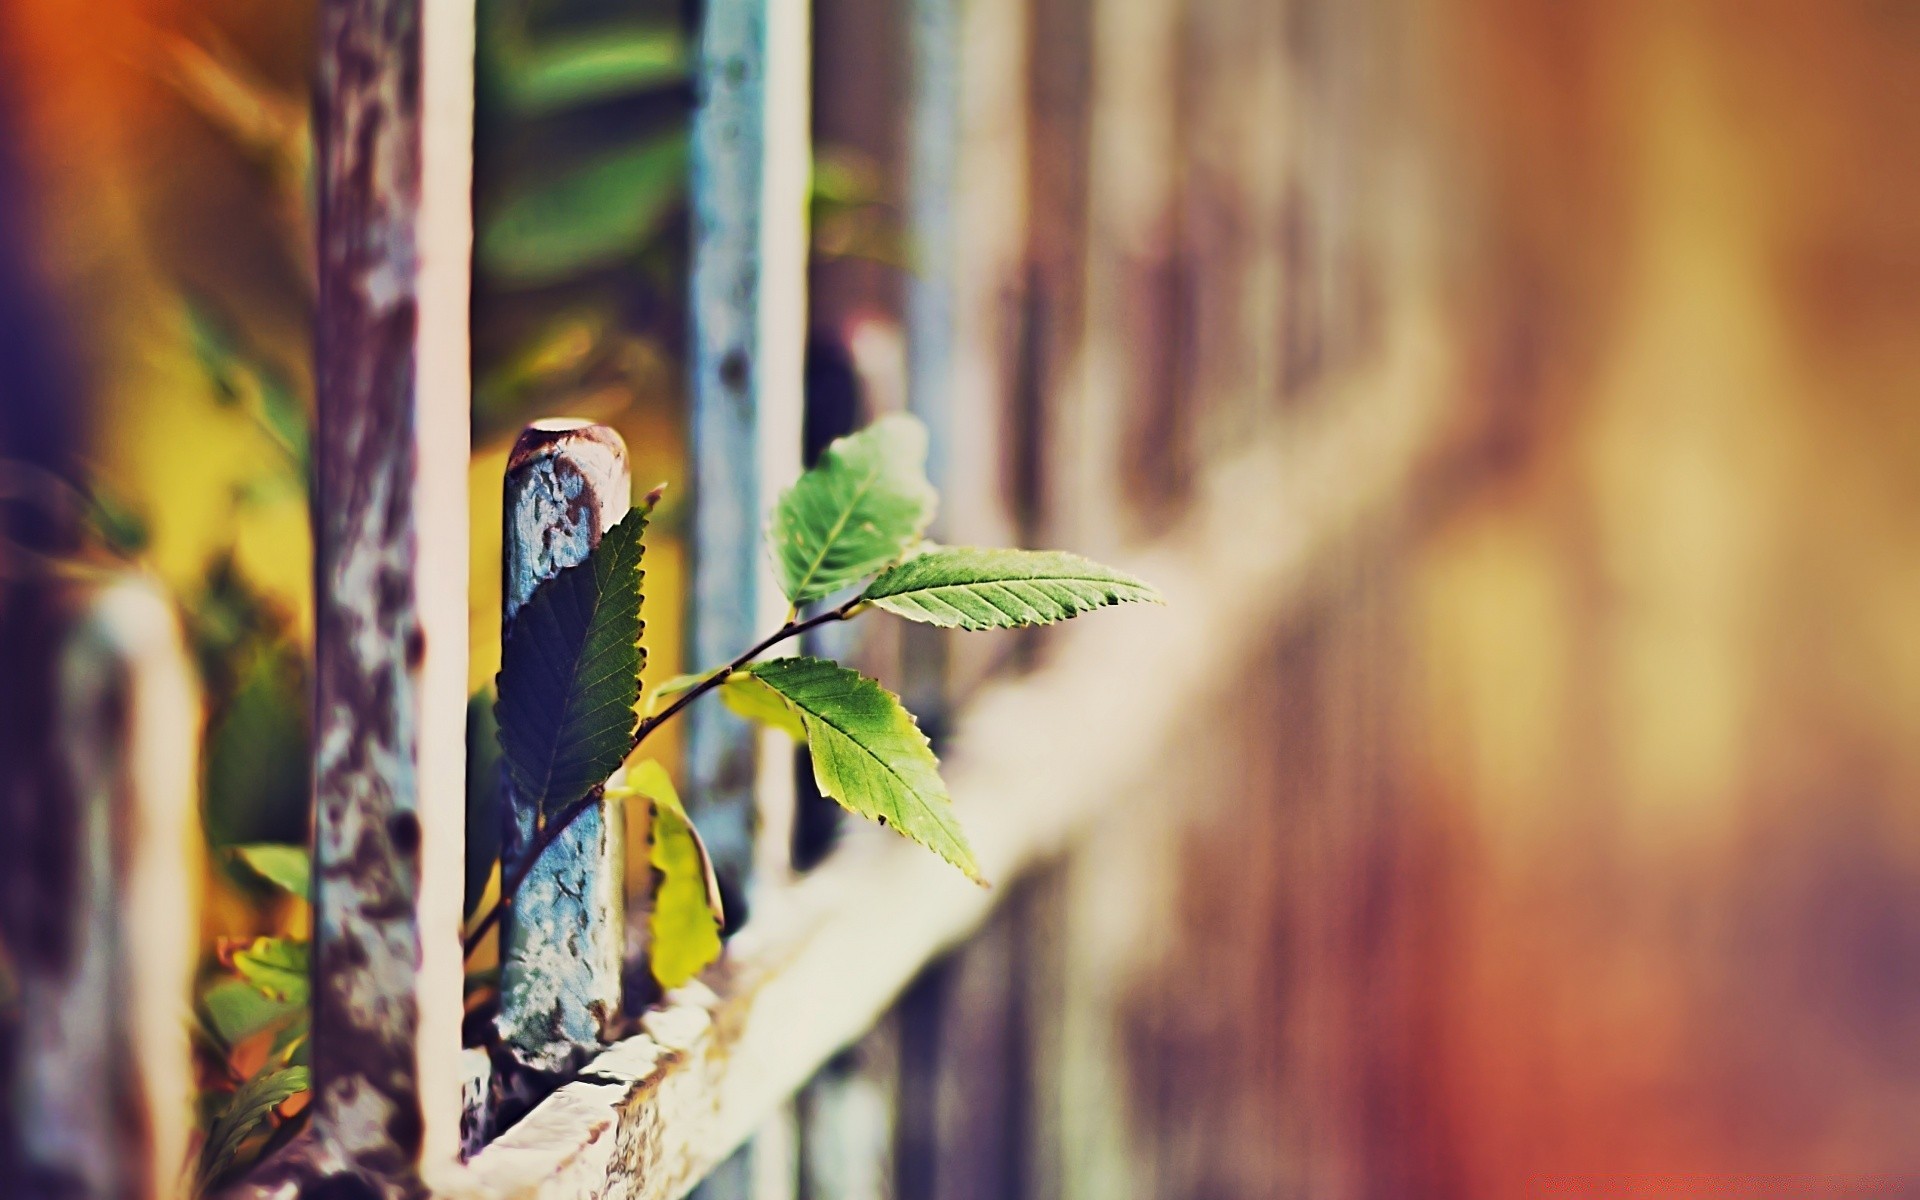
(403, 830)
(542, 438)
(416, 648)
(340, 1187)
(404, 1128)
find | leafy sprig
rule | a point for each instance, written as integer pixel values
(856, 518)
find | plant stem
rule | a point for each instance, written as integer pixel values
(791, 629)
(551, 831)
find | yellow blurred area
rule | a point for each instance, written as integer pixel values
(151, 194)
(1670, 710)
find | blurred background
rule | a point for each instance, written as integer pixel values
(1570, 832)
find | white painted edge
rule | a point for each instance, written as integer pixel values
(781, 317)
(1037, 760)
(442, 439)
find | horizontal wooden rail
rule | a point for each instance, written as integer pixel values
(1036, 761)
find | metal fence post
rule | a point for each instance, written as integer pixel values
(561, 939)
(393, 129)
(748, 315)
(102, 909)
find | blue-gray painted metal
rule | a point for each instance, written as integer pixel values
(933, 158)
(727, 379)
(563, 937)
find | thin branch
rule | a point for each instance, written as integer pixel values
(791, 629)
(551, 831)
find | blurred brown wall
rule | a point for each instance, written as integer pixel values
(1570, 844)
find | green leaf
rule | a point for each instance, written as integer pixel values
(869, 754)
(562, 71)
(243, 1115)
(483, 798)
(667, 689)
(683, 931)
(291, 1043)
(743, 693)
(276, 966)
(749, 696)
(570, 674)
(854, 511)
(235, 1011)
(286, 867)
(963, 587)
(257, 751)
(589, 216)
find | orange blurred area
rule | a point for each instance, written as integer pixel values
(1669, 661)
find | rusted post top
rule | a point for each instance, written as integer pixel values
(566, 484)
(563, 937)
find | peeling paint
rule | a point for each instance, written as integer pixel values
(562, 941)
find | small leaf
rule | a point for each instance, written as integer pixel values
(667, 689)
(275, 966)
(869, 754)
(236, 1011)
(286, 867)
(749, 696)
(561, 71)
(854, 511)
(570, 674)
(483, 799)
(683, 930)
(968, 588)
(242, 1117)
(591, 215)
(290, 1044)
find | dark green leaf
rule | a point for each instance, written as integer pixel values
(570, 674)
(276, 966)
(483, 797)
(589, 216)
(683, 931)
(256, 779)
(242, 1117)
(962, 587)
(564, 70)
(286, 867)
(854, 511)
(869, 754)
(236, 1011)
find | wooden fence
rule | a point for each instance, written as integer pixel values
(1148, 320)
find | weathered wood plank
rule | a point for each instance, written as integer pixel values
(393, 131)
(1034, 765)
(848, 1121)
(748, 314)
(563, 936)
(103, 1080)
(990, 342)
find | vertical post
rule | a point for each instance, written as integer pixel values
(561, 939)
(103, 811)
(933, 156)
(933, 159)
(978, 499)
(748, 315)
(393, 128)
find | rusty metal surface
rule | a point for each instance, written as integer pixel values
(368, 638)
(563, 937)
